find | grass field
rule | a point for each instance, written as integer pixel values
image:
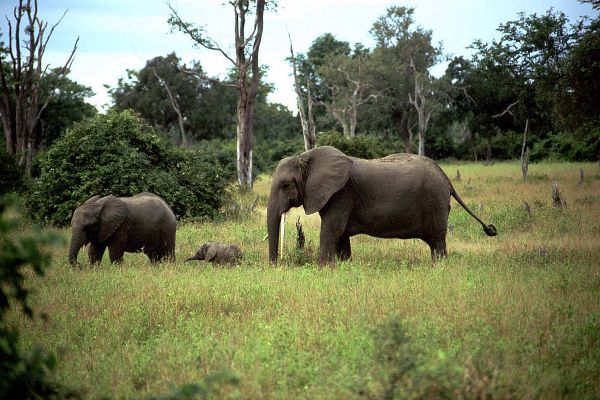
(515, 316)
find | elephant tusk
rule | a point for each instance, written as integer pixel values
(282, 233)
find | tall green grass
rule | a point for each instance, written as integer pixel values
(515, 316)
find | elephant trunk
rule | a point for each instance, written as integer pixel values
(273, 221)
(77, 242)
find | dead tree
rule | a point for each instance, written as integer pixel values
(22, 71)
(525, 153)
(557, 199)
(527, 208)
(175, 105)
(349, 87)
(306, 117)
(466, 134)
(422, 106)
(247, 71)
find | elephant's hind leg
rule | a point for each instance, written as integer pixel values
(344, 252)
(438, 249)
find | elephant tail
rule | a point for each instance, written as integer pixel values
(489, 230)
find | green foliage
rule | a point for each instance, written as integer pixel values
(23, 376)
(582, 146)
(362, 146)
(11, 175)
(119, 154)
(268, 154)
(67, 106)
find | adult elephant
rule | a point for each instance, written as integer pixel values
(400, 196)
(143, 222)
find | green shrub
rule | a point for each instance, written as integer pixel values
(120, 154)
(362, 146)
(584, 145)
(269, 153)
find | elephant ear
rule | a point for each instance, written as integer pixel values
(328, 172)
(92, 199)
(113, 214)
(211, 252)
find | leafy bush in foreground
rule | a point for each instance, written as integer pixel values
(22, 375)
(120, 154)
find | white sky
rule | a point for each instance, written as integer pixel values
(116, 35)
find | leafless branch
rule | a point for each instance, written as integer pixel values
(507, 110)
(206, 42)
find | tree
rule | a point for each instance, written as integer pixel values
(422, 106)
(350, 82)
(322, 49)
(582, 69)
(407, 53)
(166, 93)
(247, 71)
(536, 49)
(22, 100)
(67, 105)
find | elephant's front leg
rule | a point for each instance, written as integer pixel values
(95, 252)
(328, 245)
(332, 241)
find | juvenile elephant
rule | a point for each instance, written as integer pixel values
(218, 253)
(400, 196)
(142, 223)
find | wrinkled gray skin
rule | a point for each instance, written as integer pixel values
(401, 196)
(218, 253)
(142, 223)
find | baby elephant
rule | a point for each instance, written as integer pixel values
(218, 253)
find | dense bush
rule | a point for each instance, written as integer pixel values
(584, 145)
(268, 154)
(120, 154)
(362, 146)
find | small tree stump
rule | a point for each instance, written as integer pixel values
(580, 183)
(300, 239)
(457, 175)
(557, 200)
(527, 208)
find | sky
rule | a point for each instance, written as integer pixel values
(116, 35)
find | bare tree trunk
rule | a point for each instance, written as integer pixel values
(175, 106)
(244, 143)
(307, 121)
(310, 141)
(488, 155)
(525, 153)
(423, 110)
(246, 58)
(401, 119)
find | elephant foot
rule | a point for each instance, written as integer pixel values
(438, 250)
